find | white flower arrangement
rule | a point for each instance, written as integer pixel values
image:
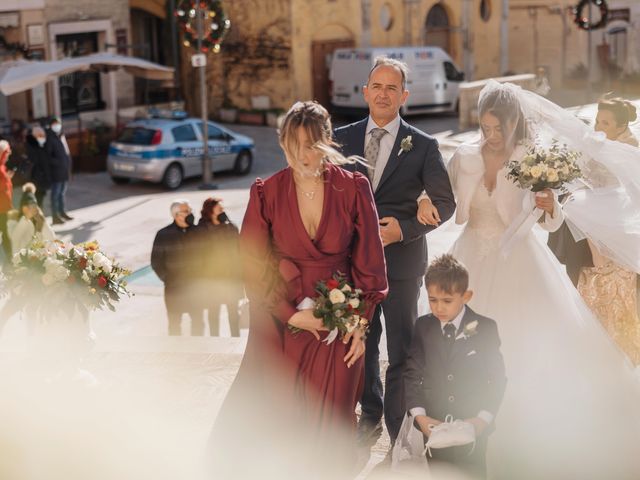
(405, 145)
(51, 277)
(544, 168)
(469, 330)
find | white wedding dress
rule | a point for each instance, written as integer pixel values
(572, 405)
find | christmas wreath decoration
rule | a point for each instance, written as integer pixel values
(215, 25)
(583, 22)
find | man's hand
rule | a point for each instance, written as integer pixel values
(425, 422)
(390, 230)
(428, 213)
(11, 173)
(479, 425)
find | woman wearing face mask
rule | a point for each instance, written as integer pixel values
(610, 289)
(220, 272)
(40, 161)
(31, 224)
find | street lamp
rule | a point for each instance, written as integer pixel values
(211, 27)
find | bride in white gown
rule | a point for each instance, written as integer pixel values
(572, 405)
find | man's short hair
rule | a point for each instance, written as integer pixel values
(402, 67)
(448, 274)
(176, 204)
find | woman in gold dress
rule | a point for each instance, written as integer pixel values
(608, 289)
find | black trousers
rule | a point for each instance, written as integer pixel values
(214, 316)
(41, 193)
(400, 310)
(6, 241)
(179, 301)
(467, 459)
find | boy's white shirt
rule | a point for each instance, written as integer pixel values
(483, 414)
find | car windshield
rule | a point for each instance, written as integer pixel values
(136, 136)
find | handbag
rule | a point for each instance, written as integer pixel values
(408, 450)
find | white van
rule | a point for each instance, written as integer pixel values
(433, 81)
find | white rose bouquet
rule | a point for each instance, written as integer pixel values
(339, 306)
(51, 278)
(545, 168)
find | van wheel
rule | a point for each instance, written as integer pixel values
(243, 164)
(120, 180)
(173, 176)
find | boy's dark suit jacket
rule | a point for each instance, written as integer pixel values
(468, 379)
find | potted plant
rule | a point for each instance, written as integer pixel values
(273, 116)
(251, 117)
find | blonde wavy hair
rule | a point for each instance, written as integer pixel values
(316, 121)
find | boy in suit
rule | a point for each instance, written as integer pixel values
(454, 367)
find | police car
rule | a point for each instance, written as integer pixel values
(168, 150)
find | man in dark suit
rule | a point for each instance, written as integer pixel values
(454, 367)
(172, 259)
(402, 163)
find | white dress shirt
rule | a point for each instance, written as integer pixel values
(483, 414)
(386, 146)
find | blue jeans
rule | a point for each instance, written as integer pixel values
(58, 190)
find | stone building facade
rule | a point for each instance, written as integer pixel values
(53, 29)
(280, 48)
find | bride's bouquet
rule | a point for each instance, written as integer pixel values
(339, 306)
(54, 279)
(542, 168)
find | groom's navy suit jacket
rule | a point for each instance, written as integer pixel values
(403, 179)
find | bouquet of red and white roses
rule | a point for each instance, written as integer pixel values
(339, 306)
(50, 278)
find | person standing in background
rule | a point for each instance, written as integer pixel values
(60, 165)
(40, 163)
(6, 199)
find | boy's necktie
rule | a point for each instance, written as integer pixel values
(449, 335)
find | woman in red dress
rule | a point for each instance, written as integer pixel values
(302, 225)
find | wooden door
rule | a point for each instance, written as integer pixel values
(437, 28)
(321, 62)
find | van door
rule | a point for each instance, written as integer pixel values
(349, 71)
(453, 78)
(190, 148)
(220, 148)
(423, 82)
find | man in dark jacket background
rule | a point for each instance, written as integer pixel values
(172, 260)
(60, 167)
(40, 163)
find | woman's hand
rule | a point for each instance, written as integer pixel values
(357, 346)
(545, 201)
(428, 213)
(304, 320)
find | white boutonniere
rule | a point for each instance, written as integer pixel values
(405, 145)
(469, 330)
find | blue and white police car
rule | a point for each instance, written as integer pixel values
(168, 150)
